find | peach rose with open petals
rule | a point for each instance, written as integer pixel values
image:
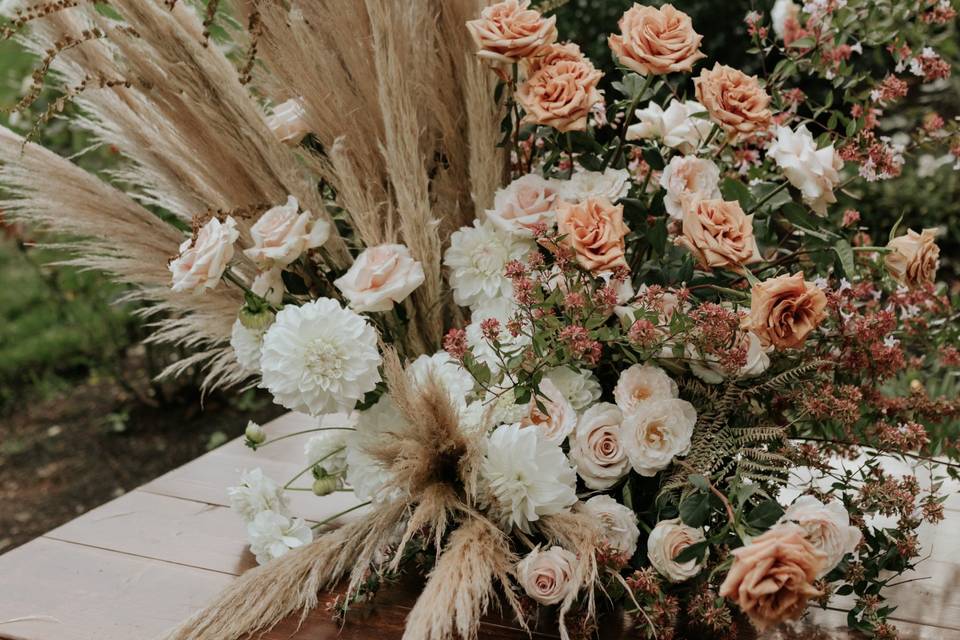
(733, 99)
(560, 93)
(595, 231)
(509, 31)
(772, 577)
(719, 234)
(914, 258)
(380, 277)
(784, 310)
(656, 41)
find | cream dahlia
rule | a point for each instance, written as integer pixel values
(476, 259)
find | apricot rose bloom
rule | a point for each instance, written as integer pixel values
(719, 234)
(656, 41)
(560, 93)
(784, 310)
(733, 99)
(914, 258)
(594, 230)
(772, 577)
(509, 31)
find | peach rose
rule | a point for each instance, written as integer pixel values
(282, 234)
(548, 576)
(719, 234)
(509, 31)
(784, 310)
(772, 577)
(914, 258)
(204, 258)
(561, 93)
(733, 99)
(380, 277)
(656, 41)
(288, 122)
(595, 231)
(569, 51)
(526, 202)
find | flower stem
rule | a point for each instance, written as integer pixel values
(300, 433)
(286, 487)
(342, 513)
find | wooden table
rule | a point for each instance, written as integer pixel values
(139, 565)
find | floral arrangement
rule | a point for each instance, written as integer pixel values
(576, 336)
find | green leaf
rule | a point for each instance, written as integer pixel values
(694, 552)
(695, 510)
(765, 514)
(802, 43)
(699, 482)
(896, 227)
(735, 190)
(845, 253)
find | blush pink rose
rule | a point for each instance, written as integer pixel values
(784, 310)
(548, 576)
(526, 202)
(510, 31)
(282, 234)
(656, 41)
(733, 99)
(288, 122)
(556, 419)
(204, 258)
(561, 92)
(380, 277)
(772, 577)
(594, 230)
(719, 234)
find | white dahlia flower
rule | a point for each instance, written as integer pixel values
(657, 432)
(526, 476)
(256, 493)
(272, 534)
(580, 387)
(319, 358)
(247, 344)
(477, 257)
(482, 350)
(815, 172)
(455, 380)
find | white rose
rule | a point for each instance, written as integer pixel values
(548, 576)
(687, 181)
(380, 277)
(707, 368)
(618, 521)
(665, 543)
(643, 383)
(282, 234)
(580, 387)
(525, 202)
(676, 126)
(596, 449)
(826, 526)
(656, 433)
(815, 172)
(288, 122)
(611, 184)
(559, 417)
(203, 260)
(782, 11)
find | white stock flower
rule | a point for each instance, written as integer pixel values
(558, 418)
(256, 493)
(281, 234)
(688, 180)
(476, 259)
(611, 184)
(319, 358)
(365, 475)
(782, 11)
(548, 576)
(329, 450)
(272, 534)
(455, 380)
(526, 476)
(815, 172)
(826, 526)
(656, 433)
(665, 543)
(641, 384)
(526, 201)
(202, 262)
(580, 387)
(618, 522)
(596, 448)
(380, 277)
(676, 127)
(246, 344)
(707, 368)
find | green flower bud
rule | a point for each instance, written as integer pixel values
(256, 319)
(325, 485)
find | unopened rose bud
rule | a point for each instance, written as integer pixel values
(255, 433)
(325, 485)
